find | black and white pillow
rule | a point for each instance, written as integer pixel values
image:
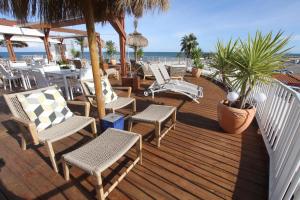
(45, 108)
(109, 94)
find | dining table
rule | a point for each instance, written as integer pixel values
(65, 74)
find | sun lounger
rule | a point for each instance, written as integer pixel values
(168, 79)
(160, 85)
(155, 114)
(99, 154)
(53, 133)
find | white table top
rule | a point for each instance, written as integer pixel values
(64, 72)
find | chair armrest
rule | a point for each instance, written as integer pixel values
(30, 126)
(124, 88)
(85, 104)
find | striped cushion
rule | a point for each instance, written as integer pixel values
(109, 94)
(45, 108)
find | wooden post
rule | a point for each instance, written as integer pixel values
(9, 46)
(91, 33)
(100, 49)
(122, 48)
(62, 50)
(46, 44)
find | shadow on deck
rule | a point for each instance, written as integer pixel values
(195, 161)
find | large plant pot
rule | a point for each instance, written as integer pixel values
(234, 120)
(196, 72)
(113, 61)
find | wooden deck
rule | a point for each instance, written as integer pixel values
(196, 161)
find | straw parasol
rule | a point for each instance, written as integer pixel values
(136, 40)
(17, 44)
(91, 11)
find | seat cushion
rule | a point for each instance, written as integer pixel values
(108, 92)
(45, 108)
(121, 102)
(65, 129)
(97, 155)
(154, 113)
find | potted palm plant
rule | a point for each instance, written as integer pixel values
(111, 51)
(250, 62)
(197, 64)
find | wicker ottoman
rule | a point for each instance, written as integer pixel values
(99, 154)
(155, 114)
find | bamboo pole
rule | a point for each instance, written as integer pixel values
(91, 33)
(9, 46)
(46, 44)
(122, 48)
(62, 50)
(100, 49)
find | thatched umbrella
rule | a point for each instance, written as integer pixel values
(92, 11)
(17, 44)
(136, 40)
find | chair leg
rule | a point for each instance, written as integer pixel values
(4, 83)
(52, 156)
(157, 133)
(10, 86)
(66, 171)
(99, 188)
(23, 142)
(130, 122)
(94, 128)
(174, 119)
(134, 106)
(138, 147)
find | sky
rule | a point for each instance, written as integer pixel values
(210, 21)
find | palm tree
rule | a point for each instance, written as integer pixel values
(81, 42)
(110, 49)
(188, 43)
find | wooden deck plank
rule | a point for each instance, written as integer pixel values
(195, 161)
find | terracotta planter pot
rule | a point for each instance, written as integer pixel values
(234, 120)
(196, 72)
(113, 61)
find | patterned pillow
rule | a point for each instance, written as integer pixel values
(108, 92)
(45, 108)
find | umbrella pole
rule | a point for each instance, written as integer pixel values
(135, 53)
(90, 26)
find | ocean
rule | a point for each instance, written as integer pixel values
(87, 55)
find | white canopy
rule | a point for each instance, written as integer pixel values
(23, 34)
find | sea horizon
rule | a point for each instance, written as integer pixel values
(20, 54)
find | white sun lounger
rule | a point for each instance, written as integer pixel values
(160, 85)
(168, 79)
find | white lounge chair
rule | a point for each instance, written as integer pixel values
(168, 79)
(160, 85)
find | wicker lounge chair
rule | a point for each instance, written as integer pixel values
(155, 114)
(160, 85)
(52, 134)
(121, 102)
(99, 154)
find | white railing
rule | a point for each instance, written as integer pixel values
(279, 122)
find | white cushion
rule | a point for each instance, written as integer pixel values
(109, 94)
(45, 108)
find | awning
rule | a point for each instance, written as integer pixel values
(29, 39)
